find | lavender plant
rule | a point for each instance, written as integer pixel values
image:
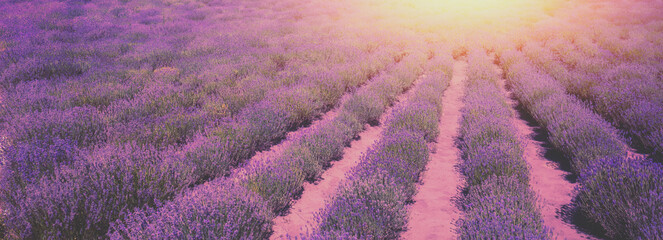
(372, 203)
(501, 207)
(367, 106)
(578, 132)
(419, 116)
(624, 197)
(155, 61)
(499, 203)
(331, 235)
(371, 208)
(117, 179)
(277, 180)
(612, 189)
(25, 163)
(84, 126)
(218, 209)
(627, 94)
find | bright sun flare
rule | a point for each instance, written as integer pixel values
(471, 7)
(492, 14)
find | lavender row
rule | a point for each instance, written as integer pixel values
(163, 107)
(573, 129)
(499, 203)
(273, 183)
(54, 117)
(371, 204)
(54, 49)
(154, 92)
(71, 131)
(621, 195)
(266, 123)
(145, 179)
(627, 94)
(81, 198)
(269, 179)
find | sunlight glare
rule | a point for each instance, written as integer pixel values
(497, 15)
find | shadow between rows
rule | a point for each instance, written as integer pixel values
(569, 213)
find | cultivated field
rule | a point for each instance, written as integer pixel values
(344, 119)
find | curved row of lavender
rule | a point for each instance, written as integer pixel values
(111, 106)
(214, 210)
(626, 93)
(371, 203)
(622, 195)
(498, 203)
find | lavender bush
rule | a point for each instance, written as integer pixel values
(499, 203)
(371, 208)
(367, 106)
(372, 203)
(624, 196)
(419, 116)
(216, 210)
(613, 191)
(43, 68)
(626, 95)
(183, 80)
(117, 180)
(322, 145)
(215, 155)
(489, 141)
(575, 130)
(110, 110)
(26, 163)
(331, 235)
(400, 154)
(82, 125)
(276, 180)
(501, 207)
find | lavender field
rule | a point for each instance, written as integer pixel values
(344, 119)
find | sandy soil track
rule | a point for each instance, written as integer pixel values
(313, 198)
(434, 212)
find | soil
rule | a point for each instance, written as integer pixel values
(313, 198)
(434, 212)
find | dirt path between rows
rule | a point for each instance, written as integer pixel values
(301, 217)
(433, 213)
(546, 177)
(313, 198)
